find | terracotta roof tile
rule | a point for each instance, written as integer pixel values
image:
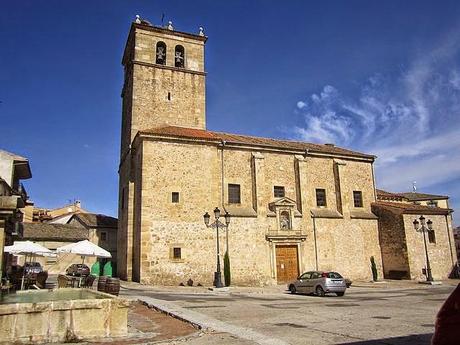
(399, 207)
(56, 232)
(382, 194)
(94, 220)
(414, 196)
(192, 133)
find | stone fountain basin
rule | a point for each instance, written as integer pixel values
(61, 315)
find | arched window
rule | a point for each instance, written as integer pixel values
(161, 53)
(179, 56)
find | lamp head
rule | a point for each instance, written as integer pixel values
(430, 224)
(416, 223)
(227, 218)
(217, 213)
(206, 218)
(422, 220)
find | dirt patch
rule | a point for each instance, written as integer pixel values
(148, 325)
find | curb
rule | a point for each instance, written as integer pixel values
(195, 324)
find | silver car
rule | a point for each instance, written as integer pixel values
(319, 283)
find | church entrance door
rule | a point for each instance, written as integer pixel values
(287, 263)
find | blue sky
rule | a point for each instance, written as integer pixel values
(380, 77)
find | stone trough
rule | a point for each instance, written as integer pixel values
(62, 315)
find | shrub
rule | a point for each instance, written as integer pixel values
(227, 269)
(374, 269)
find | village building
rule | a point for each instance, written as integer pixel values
(13, 199)
(403, 246)
(97, 228)
(294, 206)
(457, 242)
(34, 214)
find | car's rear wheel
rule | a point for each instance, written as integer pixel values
(292, 288)
(340, 294)
(319, 291)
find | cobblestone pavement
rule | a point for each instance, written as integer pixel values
(388, 313)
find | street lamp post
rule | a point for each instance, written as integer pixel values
(217, 224)
(424, 228)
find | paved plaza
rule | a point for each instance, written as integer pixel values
(388, 313)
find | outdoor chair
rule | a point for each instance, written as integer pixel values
(41, 279)
(88, 282)
(63, 281)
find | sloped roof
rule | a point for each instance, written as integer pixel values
(407, 208)
(56, 232)
(14, 156)
(192, 133)
(382, 194)
(414, 196)
(94, 220)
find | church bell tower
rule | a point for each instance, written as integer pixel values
(164, 79)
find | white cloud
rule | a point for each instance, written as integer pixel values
(301, 104)
(410, 121)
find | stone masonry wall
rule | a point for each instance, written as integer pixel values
(194, 170)
(441, 255)
(166, 95)
(393, 243)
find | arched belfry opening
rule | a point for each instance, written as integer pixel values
(179, 56)
(161, 53)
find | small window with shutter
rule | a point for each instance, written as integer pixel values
(234, 194)
(278, 191)
(320, 197)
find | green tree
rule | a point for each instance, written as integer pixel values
(374, 269)
(227, 269)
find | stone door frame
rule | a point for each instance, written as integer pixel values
(273, 262)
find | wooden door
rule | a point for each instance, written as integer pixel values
(287, 267)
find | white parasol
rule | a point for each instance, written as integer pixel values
(27, 248)
(84, 248)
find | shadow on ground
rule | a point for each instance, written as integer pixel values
(417, 339)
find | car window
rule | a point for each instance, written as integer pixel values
(334, 275)
(306, 275)
(315, 275)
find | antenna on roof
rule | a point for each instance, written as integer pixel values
(162, 19)
(414, 186)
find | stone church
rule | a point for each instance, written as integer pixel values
(294, 206)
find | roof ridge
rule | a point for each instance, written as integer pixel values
(269, 141)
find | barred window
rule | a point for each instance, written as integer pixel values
(103, 236)
(177, 253)
(320, 197)
(358, 198)
(234, 196)
(175, 197)
(278, 191)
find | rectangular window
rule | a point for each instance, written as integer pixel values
(175, 197)
(103, 236)
(358, 198)
(234, 196)
(320, 197)
(431, 236)
(177, 253)
(278, 191)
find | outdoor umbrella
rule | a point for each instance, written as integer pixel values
(84, 248)
(27, 248)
